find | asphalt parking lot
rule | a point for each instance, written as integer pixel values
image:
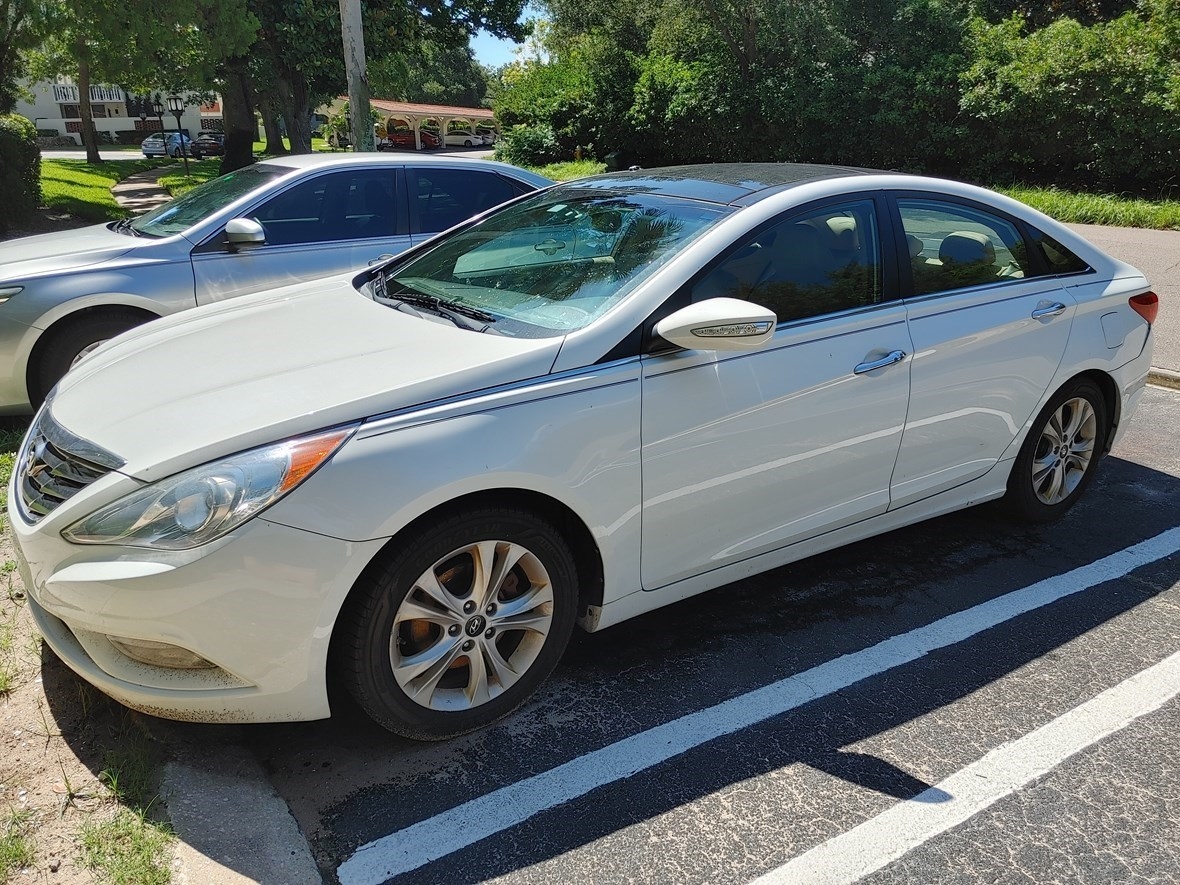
(966, 700)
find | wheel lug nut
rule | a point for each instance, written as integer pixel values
(490, 632)
(468, 645)
(491, 609)
(468, 607)
(453, 629)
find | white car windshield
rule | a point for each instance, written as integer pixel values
(552, 263)
(205, 199)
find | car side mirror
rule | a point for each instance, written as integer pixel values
(719, 324)
(242, 233)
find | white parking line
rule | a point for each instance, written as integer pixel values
(436, 837)
(880, 840)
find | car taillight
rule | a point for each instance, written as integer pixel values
(1146, 305)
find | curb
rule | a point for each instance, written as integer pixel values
(232, 828)
(1164, 378)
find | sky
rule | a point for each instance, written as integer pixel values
(492, 51)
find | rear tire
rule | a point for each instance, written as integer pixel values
(68, 344)
(460, 625)
(1060, 454)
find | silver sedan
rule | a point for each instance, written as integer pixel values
(271, 224)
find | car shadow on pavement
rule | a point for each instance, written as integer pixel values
(348, 782)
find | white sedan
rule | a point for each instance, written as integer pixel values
(594, 401)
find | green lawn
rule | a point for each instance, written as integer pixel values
(1079, 208)
(200, 171)
(76, 187)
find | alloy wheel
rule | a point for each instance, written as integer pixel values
(471, 625)
(1064, 450)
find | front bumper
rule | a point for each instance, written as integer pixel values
(259, 604)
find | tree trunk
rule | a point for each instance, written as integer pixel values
(271, 109)
(352, 32)
(237, 103)
(89, 136)
(292, 89)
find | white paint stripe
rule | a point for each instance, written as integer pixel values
(466, 824)
(881, 840)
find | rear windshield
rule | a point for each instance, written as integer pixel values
(205, 199)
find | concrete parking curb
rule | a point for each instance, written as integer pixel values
(1164, 378)
(232, 827)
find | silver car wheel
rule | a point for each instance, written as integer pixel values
(471, 625)
(1064, 451)
(87, 350)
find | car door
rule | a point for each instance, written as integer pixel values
(327, 223)
(744, 453)
(442, 196)
(989, 331)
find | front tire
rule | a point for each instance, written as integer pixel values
(460, 625)
(1060, 454)
(70, 344)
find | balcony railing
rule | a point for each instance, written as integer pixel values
(69, 94)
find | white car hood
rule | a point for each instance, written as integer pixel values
(212, 381)
(65, 250)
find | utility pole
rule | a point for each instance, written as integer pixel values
(352, 31)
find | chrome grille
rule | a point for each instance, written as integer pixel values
(55, 465)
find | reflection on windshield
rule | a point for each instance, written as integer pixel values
(205, 199)
(555, 262)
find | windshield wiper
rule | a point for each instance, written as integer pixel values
(124, 227)
(462, 315)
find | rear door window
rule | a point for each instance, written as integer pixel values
(952, 246)
(441, 198)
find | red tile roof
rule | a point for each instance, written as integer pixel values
(430, 110)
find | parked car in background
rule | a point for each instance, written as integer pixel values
(404, 138)
(590, 403)
(274, 223)
(462, 139)
(209, 144)
(488, 135)
(170, 144)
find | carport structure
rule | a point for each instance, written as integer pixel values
(407, 115)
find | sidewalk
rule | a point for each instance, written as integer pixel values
(140, 193)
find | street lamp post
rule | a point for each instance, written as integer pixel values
(176, 106)
(158, 110)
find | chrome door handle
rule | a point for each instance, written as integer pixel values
(1053, 310)
(384, 257)
(888, 360)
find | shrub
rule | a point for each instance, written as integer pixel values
(20, 169)
(529, 146)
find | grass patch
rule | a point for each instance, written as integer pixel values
(1078, 208)
(128, 849)
(76, 187)
(200, 171)
(16, 851)
(317, 145)
(569, 170)
(132, 846)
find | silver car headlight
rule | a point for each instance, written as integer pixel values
(202, 504)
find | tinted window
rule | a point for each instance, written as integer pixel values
(954, 247)
(1059, 259)
(814, 263)
(347, 205)
(444, 197)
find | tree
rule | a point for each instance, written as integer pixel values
(138, 44)
(20, 30)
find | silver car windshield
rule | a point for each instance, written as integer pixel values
(554, 262)
(203, 200)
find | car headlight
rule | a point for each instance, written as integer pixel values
(202, 504)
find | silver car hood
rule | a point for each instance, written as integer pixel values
(208, 382)
(64, 250)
